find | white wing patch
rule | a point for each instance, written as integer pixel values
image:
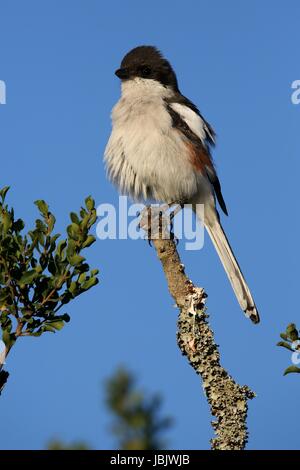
(193, 120)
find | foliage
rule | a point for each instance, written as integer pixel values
(39, 272)
(56, 444)
(137, 424)
(291, 341)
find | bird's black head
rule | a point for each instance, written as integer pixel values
(147, 62)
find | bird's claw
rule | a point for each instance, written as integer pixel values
(158, 223)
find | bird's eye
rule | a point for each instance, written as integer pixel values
(145, 71)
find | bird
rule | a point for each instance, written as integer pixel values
(160, 148)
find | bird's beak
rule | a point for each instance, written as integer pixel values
(122, 74)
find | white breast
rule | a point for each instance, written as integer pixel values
(145, 156)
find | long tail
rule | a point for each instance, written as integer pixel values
(231, 266)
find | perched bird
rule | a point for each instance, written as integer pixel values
(160, 148)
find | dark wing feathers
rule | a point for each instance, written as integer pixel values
(210, 133)
(204, 155)
(213, 178)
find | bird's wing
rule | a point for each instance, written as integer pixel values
(199, 135)
(210, 135)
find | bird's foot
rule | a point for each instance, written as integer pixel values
(157, 221)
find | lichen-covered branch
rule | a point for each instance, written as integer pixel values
(226, 398)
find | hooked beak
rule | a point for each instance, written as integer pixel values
(122, 74)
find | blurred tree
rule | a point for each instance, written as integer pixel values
(56, 444)
(291, 341)
(136, 421)
(137, 424)
(39, 274)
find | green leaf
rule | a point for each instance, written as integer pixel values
(291, 369)
(71, 249)
(94, 272)
(74, 217)
(75, 228)
(292, 332)
(58, 324)
(52, 268)
(90, 283)
(28, 277)
(60, 247)
(3, 192)
(89, 241)
(6, 222)
(51, 222)
(40, 226)
(286, 345)
(85, 221)
(83, 212)
(49, 328)
(42, 206)
(284, 336)
(93, 218)
(73, 287)
(41, 238)
(8, 338)
(73, 231)
(82, 278)
(90, 203)
(76, 259)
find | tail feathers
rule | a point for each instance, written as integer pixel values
(231, 267)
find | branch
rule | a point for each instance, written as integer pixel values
(226, 398)
(39, 274)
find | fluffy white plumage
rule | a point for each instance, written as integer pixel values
(146, 157)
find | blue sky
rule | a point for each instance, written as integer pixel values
(236, 61)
